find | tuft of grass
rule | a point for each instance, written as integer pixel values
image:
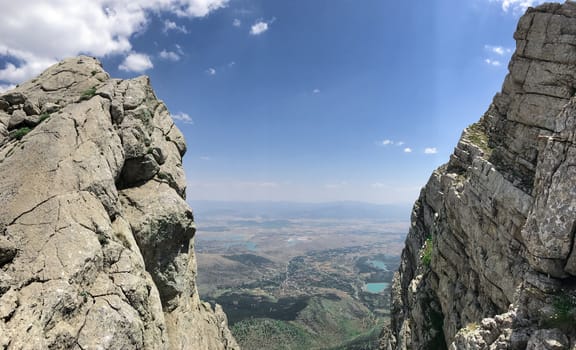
(427, 252)
(476, 133)
(20, 133)
(84, 295)
(43, 117)
(88, 93)
(564, 308)
(564, 316)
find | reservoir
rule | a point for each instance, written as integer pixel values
(375, 287)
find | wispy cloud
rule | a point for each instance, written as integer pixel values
(211, 71)
(172, 26)
(205, 158)
(236, 22)
(495, 53)
(136, 62)
(498, 50)
(492, 62)
(407, 150)
(430, 150)
(169, 55)
(183, 117)
(388, 142)
(316, 91)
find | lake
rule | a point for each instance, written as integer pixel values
(375, 287)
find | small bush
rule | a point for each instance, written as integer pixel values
(564, 308)
(20, 133)
(427, 252)
(88, 94)
(43, 117)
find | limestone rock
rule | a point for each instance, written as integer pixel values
(96, 240)
(501, 214)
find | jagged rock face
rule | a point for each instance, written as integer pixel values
(489, 261)
(96, 239)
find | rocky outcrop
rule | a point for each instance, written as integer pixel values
(490, 258)
(96, 239)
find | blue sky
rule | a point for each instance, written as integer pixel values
(302, 100)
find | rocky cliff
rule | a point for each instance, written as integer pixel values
(490, 258)
(96, 240)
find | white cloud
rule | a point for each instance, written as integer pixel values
(169, 55)
(206, 158)
(498, 50)
(183, 117)
(517, 6)
(98, 28)
(6, 87)
(231, 64)
(316, 91)
(169, 25)
(407, 150)
(388, 142)
(259, 28)
(136, 62)
(236, 22)
(211, 71)
(379, 185)
(430, 150)
(494, 63)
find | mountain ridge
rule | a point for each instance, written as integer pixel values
(489, 261)
(96, 239)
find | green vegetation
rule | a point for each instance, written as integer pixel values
(84, 295)
(366, 341)
(476, 134)
(264, 333)
(88, 94)
(564, 309)
(43, 117)
(427, 252)
(20, 133)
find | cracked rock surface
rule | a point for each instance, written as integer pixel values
(490, 258)
(96, 239)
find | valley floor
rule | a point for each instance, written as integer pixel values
(300, 283)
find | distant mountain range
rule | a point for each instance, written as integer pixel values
(293, 210)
